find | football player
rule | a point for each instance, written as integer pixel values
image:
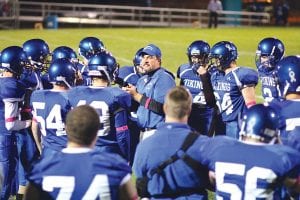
(269, 52)
(256, 167)
(13, 60)
(78, 171)
(288, 77)
(38, 53)
(111, 103)
(201, 115)
(50, 107)
(88, 47)
(130, 75)
(69, 53)
(233, 86)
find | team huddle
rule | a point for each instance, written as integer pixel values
(79, 128)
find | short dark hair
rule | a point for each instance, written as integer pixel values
(82, 125)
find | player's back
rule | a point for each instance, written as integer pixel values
(83, 174)
(290, 112)
(50, 109)
(176, 177)
(106, 100)
(248, 170)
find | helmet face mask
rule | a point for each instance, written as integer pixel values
(38, 54)
(14, 60)
(264, 62)
(137, 62)
(215, 61)
(197, 53)
(90, 46)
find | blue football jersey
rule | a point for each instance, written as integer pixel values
(177, 176)
(12, 91)
(227, 89)
(128, 75)
(201, 114)
(50, 108)
(45, 81)
(249, 171)
(112, 105)
(31, 79)
(290, 112)
(192, 82)
(268, 84)
(154, 86)
(80, 174)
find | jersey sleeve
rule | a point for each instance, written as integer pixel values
(163, 85)
(248, 77)
(12, 95)
(121, 123)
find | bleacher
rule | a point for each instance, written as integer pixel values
(26, 14)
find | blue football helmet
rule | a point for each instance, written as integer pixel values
(222, 54)
(89, 46)
(137, 61)
(38, 53)
(62, 71)
(14, 59)
(103, 65)
(200, 50)
(288, 75)
(64, 52)
(261, 122)
(269, 52)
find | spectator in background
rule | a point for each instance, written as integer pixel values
(5, 8)
(213, 7)
(285, 12)
(281, 13)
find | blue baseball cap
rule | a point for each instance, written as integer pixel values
(151, 50)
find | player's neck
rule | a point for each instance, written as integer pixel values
(292, 96)
(7, 74)
(176, 120)
(99, 83)
(59, 88)
(229, 69)
(75, 145)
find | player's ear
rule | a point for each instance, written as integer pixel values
(189, 111)
(165, 107)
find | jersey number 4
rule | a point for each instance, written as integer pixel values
(52, 121)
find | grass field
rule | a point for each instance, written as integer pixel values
(124, 42)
